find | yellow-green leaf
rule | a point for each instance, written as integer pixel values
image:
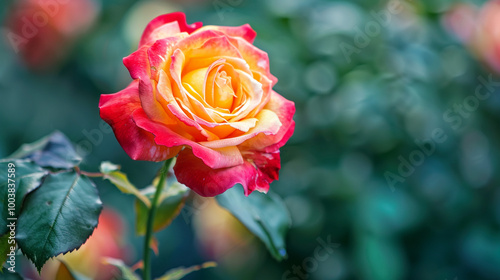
(127, 273)
(179, 273)
(169, 206)
(119, 179)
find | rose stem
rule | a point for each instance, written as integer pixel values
(151, 216)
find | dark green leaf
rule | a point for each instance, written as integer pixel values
(54, 150)
(169, 206)
(58, 217)
(127, 273)
(263, 214)
(120, 180)
(27, 177)
(179, 273)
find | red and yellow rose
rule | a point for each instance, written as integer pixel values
(203, 94)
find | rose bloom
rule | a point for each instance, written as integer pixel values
(44, 31)
(105, 241)
(204, 94)
(479, 29)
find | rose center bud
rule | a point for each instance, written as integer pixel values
(224, 93)
(213, 85)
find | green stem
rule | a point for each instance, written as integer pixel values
(151, 217)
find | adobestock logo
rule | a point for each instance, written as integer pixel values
(363, 37)
(93, 138)
(223, 6)
(455, 117)
(310, 264)
(416, 157)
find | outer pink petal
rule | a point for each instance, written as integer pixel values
(284, 109)
(283, 140)
(159, 54)
(244, 31)
(254, 174)
(164, 136)
(154, 30)
(137, 64)
(257, 59)
(214, 47)
(117, 109)
(197, 39)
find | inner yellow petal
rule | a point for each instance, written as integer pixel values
(196, 79)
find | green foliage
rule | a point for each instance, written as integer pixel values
(170, 204)
(59, 217)
(126, 272)
(119, 179)
(179, 273)
(27, 177)
(56, 207)
(265, 215)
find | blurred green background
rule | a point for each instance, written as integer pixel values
(359, 116)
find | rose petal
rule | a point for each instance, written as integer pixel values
(254, 96)
(148, 94)
(184, 108)
(254, 174)
(268, 165)
(244, 31)
(197, 63)
(213, 48)
(159, 54)
(284, 109)
(116, 109)
(164, 136)
(257, 59)
(197, 39)
(166, 26)
(282, 142)
(268, 124)
(137, 64)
